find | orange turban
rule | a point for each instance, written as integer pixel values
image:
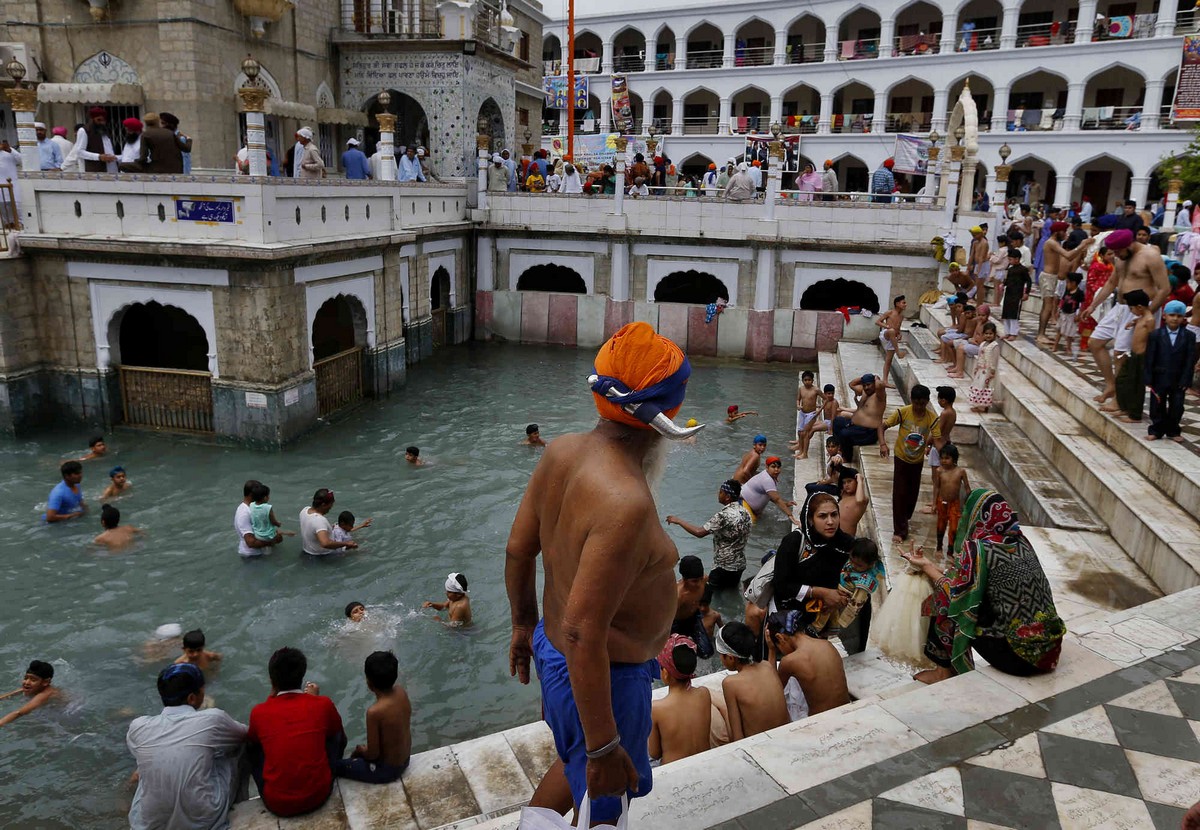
(638, 360)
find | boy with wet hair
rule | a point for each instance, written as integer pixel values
(852, 499)
(413, 456)
(681, 721)
(807, 400)
(889, 336)
(195, 653)
(66, 499)
(114, 534)
(384, 757)
(533, 436)
(119, 484)
(37, 686)
(754, 694)
(947, 418)
(96, 449)
(947, 494)
(345, 528)
(457, 601)
(356, 611)
(809, 665)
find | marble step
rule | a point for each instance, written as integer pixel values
(1040, 494)
(1154, 531)
(1173, 469)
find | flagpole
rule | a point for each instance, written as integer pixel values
(569, 155)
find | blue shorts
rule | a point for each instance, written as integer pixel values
(631, 683)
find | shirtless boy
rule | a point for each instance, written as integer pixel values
(853, 501)
(1135, 267)
(965, 330)
(689, 590)
(947, 494)
(413, 456)
(457, 601)
(748, 466)
(889, 335)
(120, 483)
(732, 414)
(385, 755)
(947, 418)
(865, 427)
(814, 663)
(533, 437)
(978, 263)
(114, 534)
(38, 688)
(807, 400)
(96, 449)
(195, 653)
(681, 720)
(754, 695)
(1058, 262)
(1131, 384)
(709, 618)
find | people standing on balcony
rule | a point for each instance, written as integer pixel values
(64, 144)
(829, 182)
(162, 150)
(93, 144)
(1086, 210)
(497, 175)
(131, 151)
(571, 183)
(809, 182)
(740, 187)
(511, 167)
(49, 156)
(883, 183)
(171, 122)
(708, 185)
(312, 166)
(754, 171)
(410, 167)
(354, 161)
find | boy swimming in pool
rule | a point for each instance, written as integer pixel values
(345, 529)
(37, 686)
(356, 612)
(120, 483)
(115, 534)
(457, 601)
(194, 652)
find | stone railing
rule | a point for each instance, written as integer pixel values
(231, 209)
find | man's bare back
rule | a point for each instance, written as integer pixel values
(589, 510)
(117, 537)
(388, 723)
(818, 669)
(754, 697)
(682, 724)
(688, 594)
(748, 466)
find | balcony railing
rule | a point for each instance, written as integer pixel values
(850, 123)
(856, 50)
(905, 45)
(908, 122)
(415, 19)
(806, 53)
(1165, 122)
(977, 40)
(629, 63)
(664, 61)
(754, 56)
(1033, 120)
(707, 59)
(1185, 22)
(706, 125)
(1045, 34)
(803, 124)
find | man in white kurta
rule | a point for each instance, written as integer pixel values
(186, 758)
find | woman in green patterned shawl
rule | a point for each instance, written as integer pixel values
(994, 598)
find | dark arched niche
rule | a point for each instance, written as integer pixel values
(694, 287)
(162, 337)
(551, 278)
(830, 295)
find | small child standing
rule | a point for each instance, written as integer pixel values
(987, 363)
(948, 495)
(1170, 356)
(1068, 315)
(889, 336)
(1131, 382)
(457, 601)
(807, 399)
(262, 516)
(194, 652)
(345, 528)
(1017, 285)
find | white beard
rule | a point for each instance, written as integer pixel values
(654, 464)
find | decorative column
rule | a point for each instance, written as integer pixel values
(879, 119)
(1063, 185)
(527, 147)
(1139, 189)
(681, 52)
(253, 100)
(949, 33)
(1165, 25)
(831, 43)
(387, 147)
(779, 58)
(1000, 194)
(725, 117)
(24, 105)
(483, 145)
(1152, 104)
(485, 276)
(1000, 110)
(764, 280)
(605, 121)
(774, 175)
(619, 195)
(619, 289)
(938, 121)
(887, 37)
(563, 115)
(1086, 22)
(776, 113)
(956, 159)
(647, 113)
(677, 116)
(606, 58)
(727, 58)
(651, 62)
(1074, 109)
(935, 165)
(825, 120)
(1008, 26)
(1173, 187)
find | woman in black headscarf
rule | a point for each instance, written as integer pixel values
(810, 558)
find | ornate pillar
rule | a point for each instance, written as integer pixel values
(651, 62)
(764, 282)
(24, 105)
(955, 180)
(949, 32)
(1063, 185)
(647, 113)
(1000, 110)
(387, 148)
(725, 117)
(606, 58)
(1152, 104)
(1173, 187)
(935, 170)
(253, 100)
(619, 290)
(774, 183)
(1165, 25)
(619, 195)
(605, 120)
(1139, 189)
(483, 144)
(779, 58)
(1074, 110)
(967, 188)
(938, 121)
(831, 43)
(879, 119)
(1087, 21)
(727, 57)
(1000, 194)
(1008, 26)
(776, 113)
(681, 52)
(825, 120)
(887, 37)
(677, 116)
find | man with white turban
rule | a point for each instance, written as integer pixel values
(609, 597)
(497, 175)
(741, 186)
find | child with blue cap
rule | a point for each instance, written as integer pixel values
(1170, 358)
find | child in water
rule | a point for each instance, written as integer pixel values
(115, 534)
(262, 515)
(120, 483)
(194, 653)
(533, 436)
(37, 686)
(356, 612)
(456, 602)
(345, 528)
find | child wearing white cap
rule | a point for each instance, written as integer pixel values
(457, 601)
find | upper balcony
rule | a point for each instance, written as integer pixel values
(484, 22)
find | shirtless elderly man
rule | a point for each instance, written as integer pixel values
(1058, 262)
(1135, 266)
(609, 596)
(865, 427)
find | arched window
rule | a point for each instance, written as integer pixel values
(551, 278)
(161, 337)
(830, 295)
(339, 325)
(694, 287)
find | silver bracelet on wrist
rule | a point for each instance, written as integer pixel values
(594, 754)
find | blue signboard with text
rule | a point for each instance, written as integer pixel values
(206, 210)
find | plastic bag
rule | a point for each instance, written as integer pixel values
(760, 591)
(541, 818)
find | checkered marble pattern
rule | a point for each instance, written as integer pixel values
(1085, 367)
(1133, 762)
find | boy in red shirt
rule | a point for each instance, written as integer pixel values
(295, 736)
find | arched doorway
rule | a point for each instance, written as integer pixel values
(439, 303)
(491, 123)
(549, 277)
(694, 287)
(830, 295)
(339, 333)
(162, 358)
(412, 125)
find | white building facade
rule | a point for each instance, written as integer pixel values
(1084, 107)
